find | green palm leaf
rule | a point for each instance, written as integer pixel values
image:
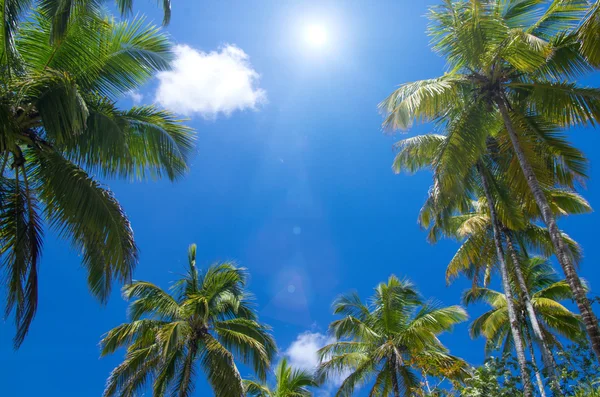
(202, 322)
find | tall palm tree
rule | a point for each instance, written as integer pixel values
(387, 338)
(289, 382)
(205, 320)
(465, 211)
(59, 122)
(513, 63)
(546, 293)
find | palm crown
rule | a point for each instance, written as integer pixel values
(59, 121)
(388, 338)
(546, 293)
(513, 62)
(206, 319)
(289, 382)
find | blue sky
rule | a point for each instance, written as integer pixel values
(298, 189)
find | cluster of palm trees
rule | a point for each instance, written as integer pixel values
(502, 164)
(207, 320)
(390, 343)
(503, 172)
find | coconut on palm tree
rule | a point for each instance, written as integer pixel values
(289, 382)
(512, 61)
(59, 125)
(204, 321)
(387, 339)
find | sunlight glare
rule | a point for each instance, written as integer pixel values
(316, 36)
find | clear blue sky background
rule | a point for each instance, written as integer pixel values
(313, 159)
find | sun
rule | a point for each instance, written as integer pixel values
(316, 36)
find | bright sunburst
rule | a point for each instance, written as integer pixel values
(316, 36)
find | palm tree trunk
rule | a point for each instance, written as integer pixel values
(184, 386)
(538, 376)
(395, 384)
(512, 314)
(535, 325)
(426, 382)
(589, 319)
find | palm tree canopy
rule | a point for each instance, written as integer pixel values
(546, 293)
(500, 50)
(289, 382)
(388, 338)
(206, 320)
(60, 15)
(59, 121)
(464, 215)
(589, 34)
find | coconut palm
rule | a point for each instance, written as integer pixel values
(59, 13)
(546, 293)
(205, 320)
(289, 382)
(512, 62)
(464, 211)
(589, 34)
(387, 338)
(59, 122)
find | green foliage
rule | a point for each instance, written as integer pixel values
(59, 123)
(384, 342)
(578, 369)
(61, 15)
(546, 292)
(289, 382)
(500, 163)
(206, 320)
(495, 378)
(589, 34)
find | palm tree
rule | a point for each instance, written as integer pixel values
(546, 293)
(589, 34)
(465, 211)
(289, 382)
(59, 123)
(205, 320)
(59, 13)
(513, 64)
(387, 338)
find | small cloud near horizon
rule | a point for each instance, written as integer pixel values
(210, 83)
(302, 354)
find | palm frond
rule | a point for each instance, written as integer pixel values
(249, 341)
(90, 217)
(255, 389)
(220, 369)
(589, 34)
(126, 334)
(21, 240)
(417, 152)
(422, 100)
(149, 299)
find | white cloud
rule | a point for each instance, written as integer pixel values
(209, 83)
(302, 354)
(135, 97)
